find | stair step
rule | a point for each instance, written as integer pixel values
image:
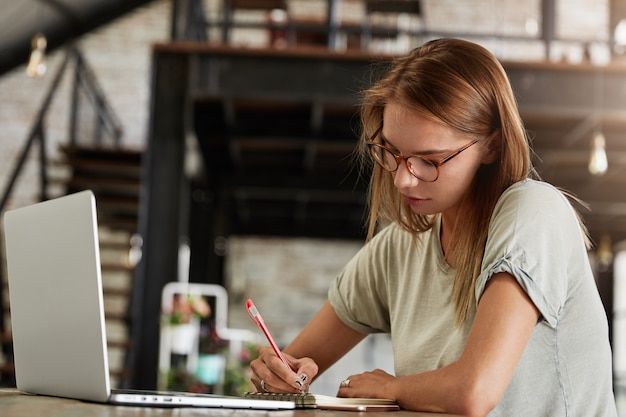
(107, 168)
(128, 224)
(118, 154)
(114, 175)
(106, 186)
(118, 204)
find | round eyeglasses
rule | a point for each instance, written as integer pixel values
(420, 167)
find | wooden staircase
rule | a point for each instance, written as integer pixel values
(114, 175)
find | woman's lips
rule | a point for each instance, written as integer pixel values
(413, 201)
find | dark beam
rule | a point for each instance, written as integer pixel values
(66, 24)
(161, 211)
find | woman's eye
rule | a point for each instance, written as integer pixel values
(417, 161)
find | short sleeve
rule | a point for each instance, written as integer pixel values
(535, 236)
(359, 293)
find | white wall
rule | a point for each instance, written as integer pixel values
(288, 280)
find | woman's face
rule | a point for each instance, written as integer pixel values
(408, 133)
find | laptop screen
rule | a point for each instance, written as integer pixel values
(55, 294)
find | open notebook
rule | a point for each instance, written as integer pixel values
(57, 314)
(326, 402)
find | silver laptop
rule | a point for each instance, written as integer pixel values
(57, 313)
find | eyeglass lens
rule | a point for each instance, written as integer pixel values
(419, 167)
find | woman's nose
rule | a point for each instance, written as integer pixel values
(402, 177)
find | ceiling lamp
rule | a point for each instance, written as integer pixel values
(598, 163)
(619, 35)
(37, 62)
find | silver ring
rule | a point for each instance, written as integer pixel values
(345, 383)
(263, 386)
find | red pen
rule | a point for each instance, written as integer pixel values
(256, 317)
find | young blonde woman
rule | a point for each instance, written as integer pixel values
(478, 270)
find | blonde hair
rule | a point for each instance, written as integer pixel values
(460, 85)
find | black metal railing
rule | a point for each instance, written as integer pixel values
(91, 119)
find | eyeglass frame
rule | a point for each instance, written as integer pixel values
(398, 157)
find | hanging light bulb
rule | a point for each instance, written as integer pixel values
(37, 62)
(598, 163)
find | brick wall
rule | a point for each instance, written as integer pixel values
(288, 280)
(119, 54)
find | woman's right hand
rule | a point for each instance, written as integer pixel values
(271, 375)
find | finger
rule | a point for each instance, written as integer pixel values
(257, 384)
(346, 386)
(276, 376)
(258, 368)
(275, 385)
(305, 368)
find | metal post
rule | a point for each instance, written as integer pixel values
(159, 212)
(548, 23)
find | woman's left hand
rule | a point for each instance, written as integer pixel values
(374, 384)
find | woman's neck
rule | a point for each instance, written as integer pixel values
(445, 236)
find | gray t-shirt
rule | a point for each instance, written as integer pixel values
(401, 284)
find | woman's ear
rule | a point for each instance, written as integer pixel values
(494, 145)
